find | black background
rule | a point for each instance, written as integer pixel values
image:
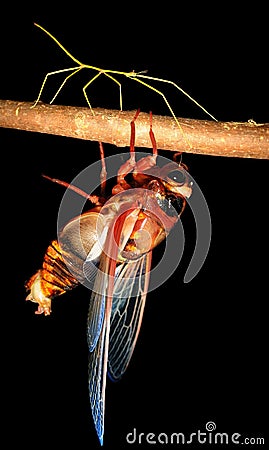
(201, 352)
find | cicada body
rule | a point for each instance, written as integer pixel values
(109, 249)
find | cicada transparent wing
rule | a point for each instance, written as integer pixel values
(113, 327)
(115, 314)
(127, 312)
(98, 339)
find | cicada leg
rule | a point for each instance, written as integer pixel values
(178, 159)
(148, 161)
(103, 173)
(131, 165)
(95, 199)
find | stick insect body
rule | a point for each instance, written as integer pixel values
(139, 77)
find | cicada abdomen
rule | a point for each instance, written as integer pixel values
(111, 246)
(62, 268)
(52, 280)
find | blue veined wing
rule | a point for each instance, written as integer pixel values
(113, 327)
(127, 312)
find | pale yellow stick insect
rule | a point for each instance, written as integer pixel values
(136, 76)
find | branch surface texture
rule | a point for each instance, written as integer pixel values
(245, 140)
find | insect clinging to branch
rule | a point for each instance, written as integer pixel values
(112, 245)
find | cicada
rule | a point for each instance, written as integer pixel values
(112, 244)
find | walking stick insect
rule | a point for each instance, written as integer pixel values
(139, 77)
(113, 242)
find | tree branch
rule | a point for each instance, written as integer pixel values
(245, 140)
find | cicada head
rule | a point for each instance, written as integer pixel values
(176, 180)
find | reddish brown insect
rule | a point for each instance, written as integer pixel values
(113, 243)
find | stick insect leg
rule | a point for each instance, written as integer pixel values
(54, 73)
(86, 86)
(63, 83)
(94, 78)
(177, 87)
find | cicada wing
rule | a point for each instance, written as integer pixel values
(129, 296)
(97, 378)
(113, 325)
(96, 312)
(77, 240)
(113, 291)
(98, 339)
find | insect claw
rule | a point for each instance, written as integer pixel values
(43, 309)
(46, 309)
(36, 295)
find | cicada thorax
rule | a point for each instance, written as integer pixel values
(147, 211)
(164, 200)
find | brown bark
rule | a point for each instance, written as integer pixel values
(246, 140)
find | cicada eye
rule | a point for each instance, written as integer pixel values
(177, 176)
